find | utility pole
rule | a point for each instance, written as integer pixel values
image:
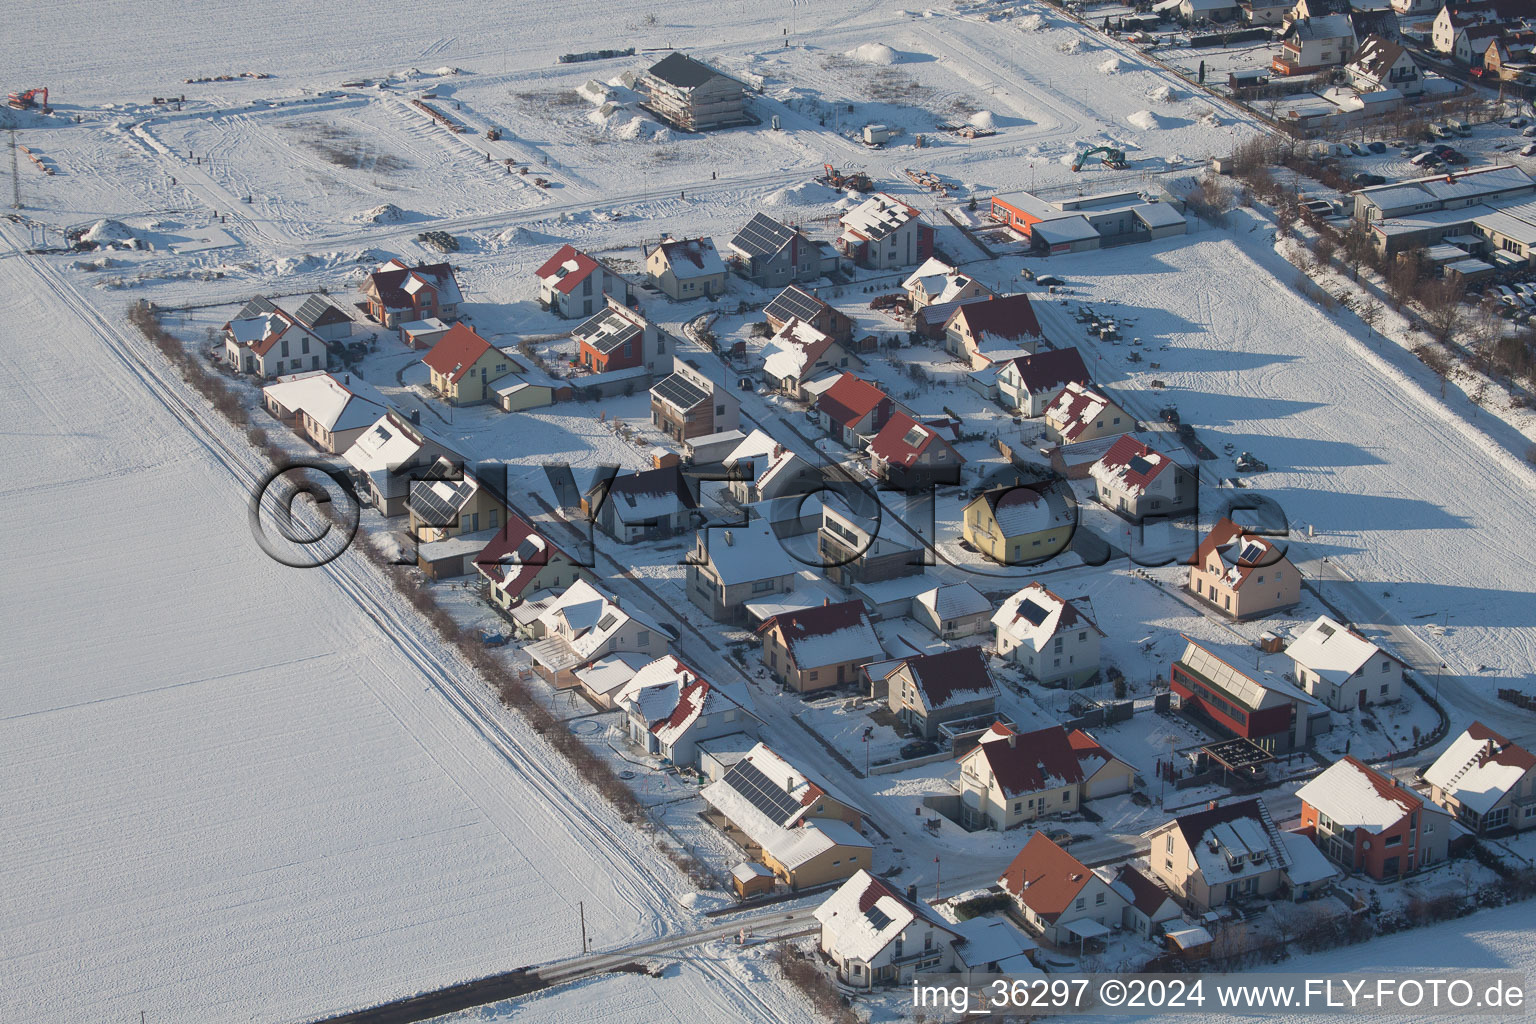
(936, 878)
(15, 174)
(581, 906)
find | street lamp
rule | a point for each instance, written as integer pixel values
(1438, 671)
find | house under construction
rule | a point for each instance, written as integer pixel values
(692, 95)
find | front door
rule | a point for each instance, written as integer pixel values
(1362, 698)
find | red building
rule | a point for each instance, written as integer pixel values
(612, 340)
(1257, 704)
(1370, 824)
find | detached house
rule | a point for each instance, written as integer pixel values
(1060, 898)
(397, 293)
(1148, 906)
(851, 409)
(1382, 64)
(1255, 703)
(465, 365)
(572, 284)
(762, 469)
(449, 502)
(687, 268)
(519, 561)
(1031, 383)
(1213, 857)
(1343, 669)
(316, 313)
(799, 353)
(1135, 481)
(1018, 525)
(1486, 781)
(927, 690)
(670, 709)
(860, 549)
(936, 282)
(994, 331)
(909, 453)
(1080, 413)
(271, 344)
(772, 254)
(953, 610)
(1047, 637)
(619, 338)
(1311, 44)
(691, 95)
(796, 304)
(581, 625)
(875, 936)
(687, 404)
(730, 567)
(1009, 778)
(817, 647)
(649, 505)
(799, 827)
(1371, 825)
(883, 233)
(388, 456)
(1244, 574)
(332, 413)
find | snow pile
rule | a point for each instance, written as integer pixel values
(1031, 23)
(1111, 66)
(1073, 46)
(445, 71)
(520, 235)
(984, 119)
(642, 128)
(1163, 94)
(107, 232)
(873, 53)
(808, 193)
(1145, 120)
(1210, 120)
(389, 213)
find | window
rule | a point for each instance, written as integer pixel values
(1082, 902)
(1384, 688)
(1392, 841)
(1082, 636)
(762, 586)
(1066, 796)
(813, 676)
(1386, 666)
(285, 348)
(1169, 845)
(1056, 663)
(643, 638)
(661, 346)
(1018, 805)
(1098, 900)
(495, 518)
(304, 346)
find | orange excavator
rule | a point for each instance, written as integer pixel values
(856, 180)
(29, 99)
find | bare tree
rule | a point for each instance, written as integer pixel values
(1444, 312)
(1323, 249)
(1370, 314)
(1357, 247)
(1406, 274)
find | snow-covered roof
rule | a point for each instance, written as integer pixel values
(953, 677)
(1468, 184)
(745, 554)
(335, 405)
(669, 696)
(954, 601)
(389, 444)
(767, 798)
(1330, 26)
(1069, 227)
(612, 672)
(992, 940)
(1308, 864)
(1231, 841)
(1140, 891)
(1479, 768)
(1034, 615)
(878, 216)
(1076, 408)
(646, 496)
(1357, 796)
(1332, 650)
(395, 283)
(578, 624)
(827, 635)
(1252, 688)
(1129, 466)
(1028, 762)
(1241, 551)
(866, 914)
(566, 269)
(796, 346)
(515, 556)
(692, 257)
(904, 440)
(937, 281)
(1020, 510)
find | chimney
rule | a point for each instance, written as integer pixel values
(912, 893)
(729, 538)
(346, 379)
(1012, 739)
(826, 601)
(1210, 805)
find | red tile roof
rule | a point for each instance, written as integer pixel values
(1009, 316)
(1032, 761)
(567, 254)
(1044, 877)
(388, 285)
(496, 560)
(1126, 449)
(850, 399)
(1224, 535)
(456, 351)
(942, 677)
(1050, 369)
(891, 443)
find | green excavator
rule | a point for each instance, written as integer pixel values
(1112, 158)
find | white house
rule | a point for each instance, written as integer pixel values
(876, 936)
(1031, 383)
(1342, 668)
(1134, 481)
(670, 708)
(1382, 64)
(1148, 906)
(633, 507)
(583, 624)
(936, 281)
(883, 233)
(953, 610)
(1047, 636)
(1060, 898)
(1486, 781)
(1008, 779)
(271, 344)
(572, 284)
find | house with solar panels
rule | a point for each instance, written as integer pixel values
(390, 455)
(1235, 690)
(398, 293)
(686, 268)
(687, 404)
(799, 354)
(691, 95)
(1242, 573)
(316, 313)
(620, 350)
(1134, 480)
(772, 254)
(650, 505)
(796, 304)
(453, 514)
(573, 284)
(799, 827)
(670, 709)
(1048, 637)
(883, 233)
(876, 936)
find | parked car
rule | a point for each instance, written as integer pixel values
(1365, 179)
(1455, 157)
(1426, 160)
(1529, 150)
(1518, 122)
(1529, 131)
(1442, 148)
(1377, 146)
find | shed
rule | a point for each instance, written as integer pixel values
(751, 879)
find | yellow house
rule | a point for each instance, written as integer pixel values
(686, 269)
(1017, 525)
(1244, 574)
(464, 365)
(442, 508)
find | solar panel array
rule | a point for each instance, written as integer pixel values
(1033, 613)
(763, 236)
(877, 917)
(1251, 553)
(313, 310)
(680, 391)
(435, 509)
(607, 331)
(745, 778)
(1140, 465)
(256, 307)
(793, 302)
